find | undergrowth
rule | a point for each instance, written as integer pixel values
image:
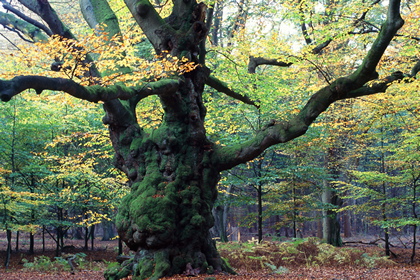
(309, 252)
(45, 264)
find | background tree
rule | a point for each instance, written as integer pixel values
(383, 182)
(174, 168)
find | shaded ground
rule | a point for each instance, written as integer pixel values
(327, 273)
(106, 252)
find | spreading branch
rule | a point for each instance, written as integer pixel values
(222, 87)
(10, 88)
(389, 29)
(342, 88)
(13, 27)
(22, 28)
(282, 132)
(25, 18)
(44, 10)
(254, 62)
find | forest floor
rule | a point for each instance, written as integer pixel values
(105, 252)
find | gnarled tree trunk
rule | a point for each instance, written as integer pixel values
(167, 216)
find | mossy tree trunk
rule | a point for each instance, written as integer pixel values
(167, 216)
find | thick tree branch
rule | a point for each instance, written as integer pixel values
(209, 23)
(97, 12)
(342, 88)
(156, 29)
(38, 25)
(415, 69)
(222, 87)
(57, 27)
(282, 132)
(10, 88)
(366, 71)
(254, 62)
(23, 27)
(47, 13)
(181, 13)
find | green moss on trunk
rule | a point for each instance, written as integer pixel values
(167, 216)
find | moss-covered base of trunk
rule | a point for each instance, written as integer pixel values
(155, 264)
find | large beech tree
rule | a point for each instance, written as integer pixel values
(174, 169)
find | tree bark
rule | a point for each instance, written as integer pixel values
(330, 221)
(31, 243)
(167, 216)
(92, 237)
(346, 224)
(86, 238)
(17, 241)
(415, 216)
(43, 239)
(260, 212)
(9, 248)
(219, 229)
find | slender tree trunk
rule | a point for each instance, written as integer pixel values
(386, 230)
(43, 239)
(9, 248)
(413, 250)
(383, 170)
(86, 239)
(240, 19)
(217, 16)
(57, 242)
(260, 213)
(224, 217)
(63, 233)
(31, 235)
(13, 165)
(17, 241)
(330, 220)
(31, 243)
(347, 224)
(319, 232)
(92, 237)
(386, 238)
(326, 221)
(415, 216)
(220, 214)
(219, 229)
(120, 246)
